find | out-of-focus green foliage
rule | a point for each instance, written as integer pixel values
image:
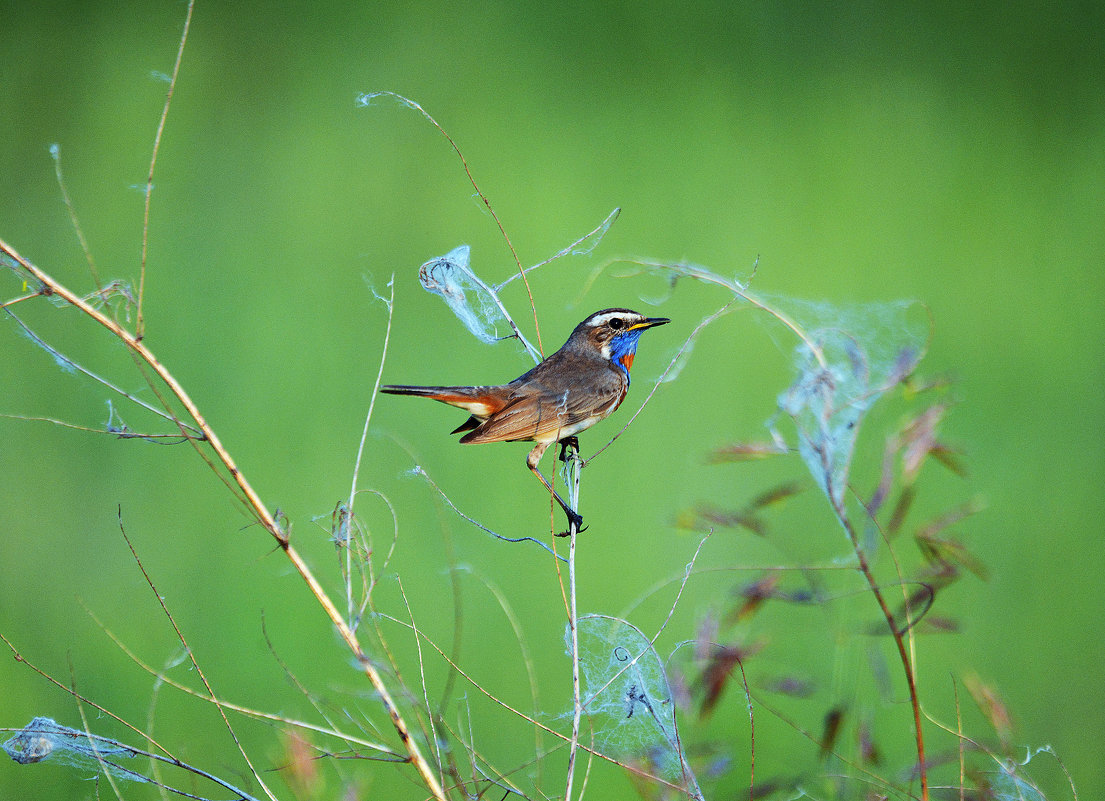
(948, 153)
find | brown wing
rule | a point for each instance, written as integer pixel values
(547, 418)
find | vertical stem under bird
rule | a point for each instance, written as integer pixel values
(572, 477)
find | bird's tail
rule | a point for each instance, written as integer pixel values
(426, 392)
(481, 402)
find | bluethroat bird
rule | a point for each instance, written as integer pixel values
(568, 392)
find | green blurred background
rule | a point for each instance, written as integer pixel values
(949, 153)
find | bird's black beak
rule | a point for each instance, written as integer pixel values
(649, 322)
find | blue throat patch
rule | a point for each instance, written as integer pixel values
(622, 349)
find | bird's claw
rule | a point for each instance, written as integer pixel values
(566, 444)
(575, 524)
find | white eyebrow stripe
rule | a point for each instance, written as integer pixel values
(605, 318)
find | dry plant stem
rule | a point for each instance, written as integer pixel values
(751, 733)
(264, 516)
(486, 202)
(573, 620)
(140, 327)
(18, 657)
(88, 733)
(667, 370)
(164, 679)
(20, 299)
(360, 448)
(99, 379)
(195, 664)
(603, 226)
(899, 641)
(55, 151)
(960, 742)
(432, 735)
(168, 758)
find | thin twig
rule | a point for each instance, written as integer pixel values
(896, 633)
(120, 434)
(163, 678)
(601, 229)
(365, 99)
(390, 303)
(738, 289)
(55, 152)
(17, 655)
(141, 323)
(108, 774)
(751, 732)
(418, 470)
(191, 658)
(482, 769)
(20, 299)
(667, 370)
(64, 360)
(527, 658)
(433, 737)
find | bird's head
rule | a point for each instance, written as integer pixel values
(613, 333)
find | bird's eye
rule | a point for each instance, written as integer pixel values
(617, 323)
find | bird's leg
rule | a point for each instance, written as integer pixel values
(575, 520)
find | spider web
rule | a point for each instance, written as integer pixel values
(849, 357)
(628, 701)
(471, 300)
(43, 739)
